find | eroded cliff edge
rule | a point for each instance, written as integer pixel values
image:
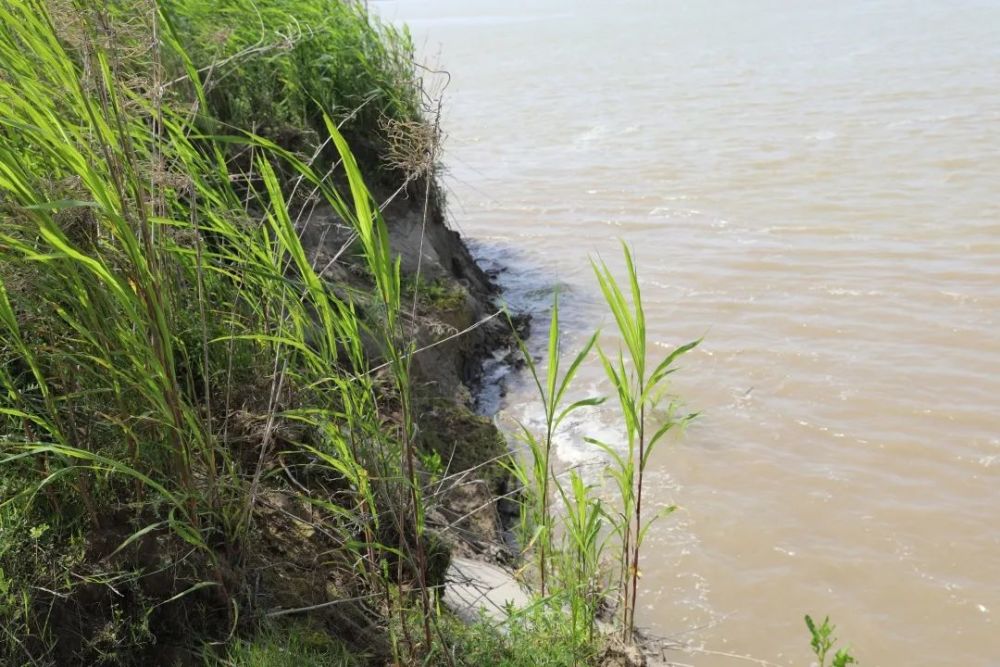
(456, 321)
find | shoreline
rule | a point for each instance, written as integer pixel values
(486, 581)
(240, 402)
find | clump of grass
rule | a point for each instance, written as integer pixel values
(288, 645)
(280, 66)
(580, 565)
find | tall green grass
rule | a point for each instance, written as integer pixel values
(640, 386)
(280, 66)
(167, 341)
(596, 555)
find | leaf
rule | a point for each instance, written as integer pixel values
(663, 369)
(843, 658)
(573, 407)
(61, 205)
(607, 449)
(197, 587)
(553, 361)
(573, 368)
(137, 535)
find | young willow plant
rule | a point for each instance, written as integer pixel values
(640, 388)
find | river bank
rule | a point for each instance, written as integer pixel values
(238, 369)
(241, 362)
(248, 368)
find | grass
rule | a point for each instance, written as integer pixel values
(596, 555)
(169, 344)
(289, 645)
(279, 67)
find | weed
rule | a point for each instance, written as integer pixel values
(823, 641)
(640, 388)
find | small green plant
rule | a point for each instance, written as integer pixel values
(292, 645)
(551, 392)
(279, 66)
(435, 295)
(641, 391)
(432, 463)
(823, 641)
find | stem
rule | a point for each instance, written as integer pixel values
(638, 518)
(415, 501)
(545, 495)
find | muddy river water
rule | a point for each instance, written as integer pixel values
(814, 187)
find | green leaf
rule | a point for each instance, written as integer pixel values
(553, 361)
(137, 535)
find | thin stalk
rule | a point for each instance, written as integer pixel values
(638, 512)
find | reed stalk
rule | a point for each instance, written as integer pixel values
(640, 392)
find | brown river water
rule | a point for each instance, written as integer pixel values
(812, 186)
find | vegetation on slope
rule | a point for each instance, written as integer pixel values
(193, 435)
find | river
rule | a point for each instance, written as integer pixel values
(812, 187)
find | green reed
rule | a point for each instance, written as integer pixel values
(579, 558)
(539, 477)
(640, 387)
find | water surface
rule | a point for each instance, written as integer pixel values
(813, 187)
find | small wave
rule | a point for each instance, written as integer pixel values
(482, 20)
(669, 212)
(823, 135)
